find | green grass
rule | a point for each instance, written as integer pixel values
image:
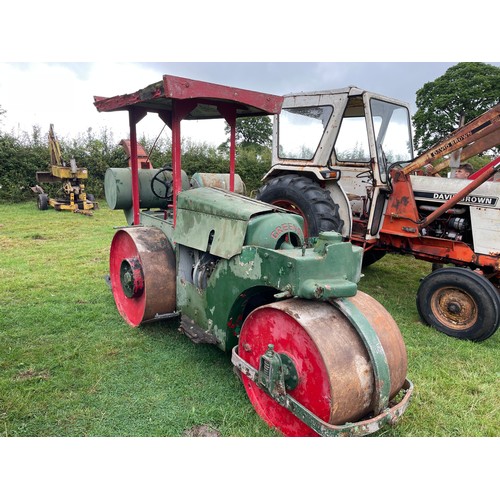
(70, 366)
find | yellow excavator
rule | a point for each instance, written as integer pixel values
(72, 177)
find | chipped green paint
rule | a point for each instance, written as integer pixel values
(269, 231)
(253, 260)
(258, 274)
(215, 220)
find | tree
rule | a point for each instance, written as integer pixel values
(252, 131)
(464, 92)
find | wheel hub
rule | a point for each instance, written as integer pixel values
(132, 277)
(460, 303)
(277, 371)
(455, 308)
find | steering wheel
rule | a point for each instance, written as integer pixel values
(163, 182)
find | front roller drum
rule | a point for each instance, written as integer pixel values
(142, 273)
(327, 371)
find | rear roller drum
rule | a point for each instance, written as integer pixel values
(142, 273)
(329, 370)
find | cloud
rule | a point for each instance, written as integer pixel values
(39, 93)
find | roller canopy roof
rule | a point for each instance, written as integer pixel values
(210, 99)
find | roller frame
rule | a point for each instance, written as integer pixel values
(389, 416)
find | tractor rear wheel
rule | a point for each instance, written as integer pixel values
(305, 197)
(333, 375)
(142, 274)
(460, 303)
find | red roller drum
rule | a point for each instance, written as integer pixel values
(336, 380)
(142, 272)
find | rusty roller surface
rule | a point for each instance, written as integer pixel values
(142, 272)
(336, 380)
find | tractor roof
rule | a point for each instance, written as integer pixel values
(209, 98)
(352, 90)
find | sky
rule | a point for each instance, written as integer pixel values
(62, 93)
(57, 59)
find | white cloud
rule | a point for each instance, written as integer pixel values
(38, 94)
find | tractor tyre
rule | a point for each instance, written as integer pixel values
(460, 303)
(43, 201)
(372, 256)
(303, 196)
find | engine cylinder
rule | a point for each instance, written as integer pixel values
(118, 188)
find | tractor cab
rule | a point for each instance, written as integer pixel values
(348, 135)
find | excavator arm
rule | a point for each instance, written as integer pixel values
(55, 149)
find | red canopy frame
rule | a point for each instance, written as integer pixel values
(176, 99)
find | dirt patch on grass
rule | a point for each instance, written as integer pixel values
(9, 243)
(33, 374)
(202, 431)
(113, 352)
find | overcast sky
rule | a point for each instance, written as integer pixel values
(39, 93)
(34, 91)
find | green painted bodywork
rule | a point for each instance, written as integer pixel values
(234, 254)
(252, 253)
(263, 273)
(221, 223)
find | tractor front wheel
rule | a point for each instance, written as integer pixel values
(460, 303)
(305, 197)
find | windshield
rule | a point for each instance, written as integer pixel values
(352, 140)
(391, 125)
(300, 131)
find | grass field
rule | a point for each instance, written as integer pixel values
(70, 366)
